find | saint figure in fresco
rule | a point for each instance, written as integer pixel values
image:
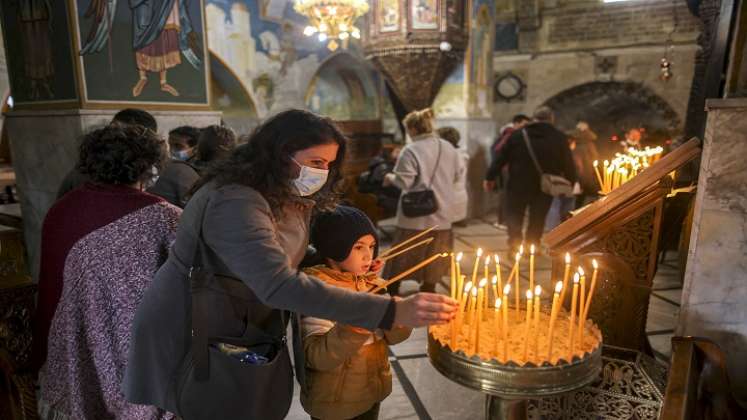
(35, 22)
(162, 33)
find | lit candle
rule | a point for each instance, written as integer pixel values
(497, 262)
(606, 187)
(553, 315)
(599, 176)
(585, 310)
(504, 330)
(572, 336)
(487, 266)
(453, 284)
(486, 301)
(472, 307)
(515, 274)
(478, 318)
(457, 326)
(459, 277)
(476, 266)
(582, 303)
(497, 324)
(527, 326)
(494, 284)
(566, 273)
(537, 292)
(531, 266)
(610, 171)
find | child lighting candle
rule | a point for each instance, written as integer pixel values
(537, 292)
(572, 336)
(504, 330)
(527, 325)
(531, 267)
(553, 315)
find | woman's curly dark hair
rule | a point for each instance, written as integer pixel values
(264, 162)
(121, 154)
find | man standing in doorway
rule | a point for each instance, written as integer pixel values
(523, 187)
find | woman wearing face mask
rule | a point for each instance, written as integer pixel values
(254, 211)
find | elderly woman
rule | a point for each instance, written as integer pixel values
(249, 221)
(101, 245)
(429, 162)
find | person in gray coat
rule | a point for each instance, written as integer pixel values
(254, 209)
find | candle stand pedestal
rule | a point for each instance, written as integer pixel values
(509, 386)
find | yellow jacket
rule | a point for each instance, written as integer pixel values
(347, 368)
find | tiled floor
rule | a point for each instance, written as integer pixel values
(420, 392)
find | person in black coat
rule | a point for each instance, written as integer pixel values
(523, 187)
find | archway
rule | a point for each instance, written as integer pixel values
(612, 108)
(229, 95)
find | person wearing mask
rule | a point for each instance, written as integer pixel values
(250, 214)
(177, 178)
(128, 116)
(428, 162)
(523, 187)
(496, 178)
(101, 246)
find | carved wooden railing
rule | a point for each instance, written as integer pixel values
(621, 231)
(17, 302)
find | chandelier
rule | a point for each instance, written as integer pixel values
(332, 20)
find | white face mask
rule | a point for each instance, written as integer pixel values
(310, 180)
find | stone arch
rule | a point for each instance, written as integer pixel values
(344, 88)
(230, 95)
(613, 107)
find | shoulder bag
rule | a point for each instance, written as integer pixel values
(422, 203)
(215, 385)
(554, 185)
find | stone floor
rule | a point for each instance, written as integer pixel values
(420, 392)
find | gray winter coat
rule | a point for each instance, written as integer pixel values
(246, 243)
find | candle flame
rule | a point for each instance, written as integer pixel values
(518, 256)
(521, 249)
(558, 287)
(594, 264)
(483, 282)
(606, 162)
(575, 278)
(529, 294)
(507, 289)
(531, 249)
(479, 252)
(596, 163)
(487, 260)
(494, 280)
(445, 254)
(567, 258)
(537, 290)
(468, 287)
(498, 303)
(474, 291)
(581, 271)
(460, 256)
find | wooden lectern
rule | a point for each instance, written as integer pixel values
(621, 231)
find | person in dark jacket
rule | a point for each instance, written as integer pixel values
(523, 187)
(177, 178)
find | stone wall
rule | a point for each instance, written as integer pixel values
(715, 289)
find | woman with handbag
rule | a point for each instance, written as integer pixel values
(429, 171)
(233, 270)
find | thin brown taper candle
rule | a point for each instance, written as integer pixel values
(406, 241)
(408, 271)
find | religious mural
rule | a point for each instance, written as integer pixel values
(449, 102)
(480, 59)
(37, 42)
(344, 89)
(424, 14)
(388, 15)
(154, 49)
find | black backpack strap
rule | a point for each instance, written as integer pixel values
(531, 151)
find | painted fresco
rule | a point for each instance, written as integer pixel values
(480, 59)
(38, 47)
(424, 14)
(153, 51)
(388, 15)
(344, 89)
(449, 102)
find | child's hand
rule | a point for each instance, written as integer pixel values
(376, 266)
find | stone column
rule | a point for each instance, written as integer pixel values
(714, 301)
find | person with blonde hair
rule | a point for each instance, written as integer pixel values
(427, 163)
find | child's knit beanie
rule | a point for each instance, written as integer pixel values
(335, 232)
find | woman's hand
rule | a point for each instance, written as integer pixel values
(388, 180)
(424, 309)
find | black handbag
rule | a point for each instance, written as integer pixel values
(214, 385)
(422, 203)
